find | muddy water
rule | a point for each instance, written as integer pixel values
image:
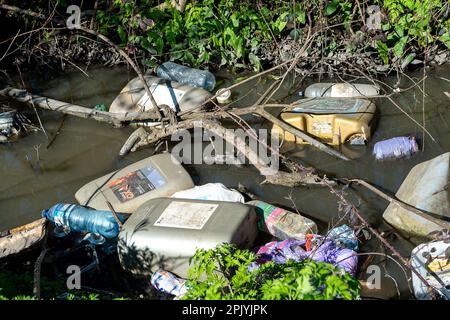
(34, 180)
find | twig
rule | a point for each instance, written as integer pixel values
(423, 214)
(114, 213)
(57, 131)
(32, 104)
(38, 265)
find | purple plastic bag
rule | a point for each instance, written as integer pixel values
(395, 148)
(291, 249)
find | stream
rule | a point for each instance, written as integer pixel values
(35, 177)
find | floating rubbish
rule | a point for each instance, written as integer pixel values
(322, 251)
(395, 148)
(281, 223)
(425, 187)
(344, 236)
(432, 262)
(210, 191)
(186, 75)
(223, 96)
(126, 189)
(167, 282)
(165, 233)
(82, 219)
(333, 121)
(12, 123)
(100, 107)
(179, 97)
(341, 90)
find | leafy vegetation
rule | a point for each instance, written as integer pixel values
(412, 25)
(225, 32)
(246, 34)
(230, 33)
(222, 273)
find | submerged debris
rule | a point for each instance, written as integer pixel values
(12, 124)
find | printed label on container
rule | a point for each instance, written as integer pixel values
(163, 95)
(321, 127)
(136, 183)
(186, 215)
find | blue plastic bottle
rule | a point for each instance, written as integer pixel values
(82, 219)
(193, 77)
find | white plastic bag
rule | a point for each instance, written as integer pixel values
(210, 191)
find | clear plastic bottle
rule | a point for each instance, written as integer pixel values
(341, 90)
(193, 77)
(167, 282)
(82, 219)
(281, 223)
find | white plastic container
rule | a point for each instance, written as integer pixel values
(164, 233)
(210, 191)
(439, 277)
(341, 90)
(425, 187)
(179, 97)
(157, 176)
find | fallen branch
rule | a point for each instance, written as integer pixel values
(300, 134)
(76, 110)
(142, 137)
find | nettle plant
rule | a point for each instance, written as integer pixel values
(222, 274)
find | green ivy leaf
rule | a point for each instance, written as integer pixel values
(400, 46)
(331, 7)
(383, 51)
(122, 34)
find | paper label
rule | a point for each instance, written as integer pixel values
(162, 94)
(186, 215)
(136, 183)
(321, 127)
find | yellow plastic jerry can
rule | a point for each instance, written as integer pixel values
(333, 120)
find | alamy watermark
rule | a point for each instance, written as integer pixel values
(74, 279)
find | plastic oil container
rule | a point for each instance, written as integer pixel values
(165, 232)
(341, 90)
(331, 120)
(179, 97)
(126, 189)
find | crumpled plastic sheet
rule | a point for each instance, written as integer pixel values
(291, 249)
(344, 236)
(395, 148)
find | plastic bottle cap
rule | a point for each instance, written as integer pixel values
(223, 95)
